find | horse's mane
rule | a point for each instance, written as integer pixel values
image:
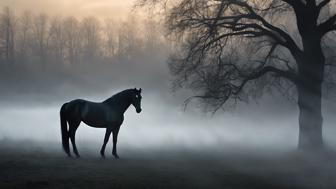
(118, 97)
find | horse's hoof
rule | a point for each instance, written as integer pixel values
(116, 156)
(77, 156)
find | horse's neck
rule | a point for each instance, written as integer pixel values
(123, 107)
(121, 104)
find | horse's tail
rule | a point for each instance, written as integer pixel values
(64, 129)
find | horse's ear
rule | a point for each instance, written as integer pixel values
(140, 90)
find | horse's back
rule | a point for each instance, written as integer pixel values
(73, 108)
(100, 115)
(94, 114)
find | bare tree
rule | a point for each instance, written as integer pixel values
(110, 36)
(7, 26)
(40, 35)
(57, 40)
(227, 45)
(129, 41)
(91, 38)
(152, 34)
(24, 36)
(72, 39)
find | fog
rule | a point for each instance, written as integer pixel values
(269, 125)
(54, 58)
(160, 127)
(58, 51)
(251, 145)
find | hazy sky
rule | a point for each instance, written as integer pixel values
(99, 8)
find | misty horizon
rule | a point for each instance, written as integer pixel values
(36, 83)
(226, 101)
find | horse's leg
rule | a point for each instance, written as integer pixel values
(72, 132)
(115, 139)
(107, 136)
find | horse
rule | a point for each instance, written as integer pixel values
(108, 114)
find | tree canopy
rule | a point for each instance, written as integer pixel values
(227, 44)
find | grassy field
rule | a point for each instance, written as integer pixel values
(28, 165)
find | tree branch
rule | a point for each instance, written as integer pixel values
(322, 4)
(288, 40)
(267, 69)
(296, 4)
(327, 26)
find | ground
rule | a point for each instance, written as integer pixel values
(30, 165)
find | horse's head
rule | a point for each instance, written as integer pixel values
(136, 99)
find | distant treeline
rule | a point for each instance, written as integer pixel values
(39, 38)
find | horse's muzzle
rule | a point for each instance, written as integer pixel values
(138, 110)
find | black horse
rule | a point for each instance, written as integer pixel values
(108, 114)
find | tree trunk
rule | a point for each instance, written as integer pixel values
(310, 118)
(311, 72)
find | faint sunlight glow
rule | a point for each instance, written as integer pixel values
(80, 8)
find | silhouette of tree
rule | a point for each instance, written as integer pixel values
(7, 27)
(91, 38)
(129, 42)
(40, 35)
(109, 35)
(227, 45)
(57, 40)
(24, 36)
(72, 39)
(152, 36)
(30, 38)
